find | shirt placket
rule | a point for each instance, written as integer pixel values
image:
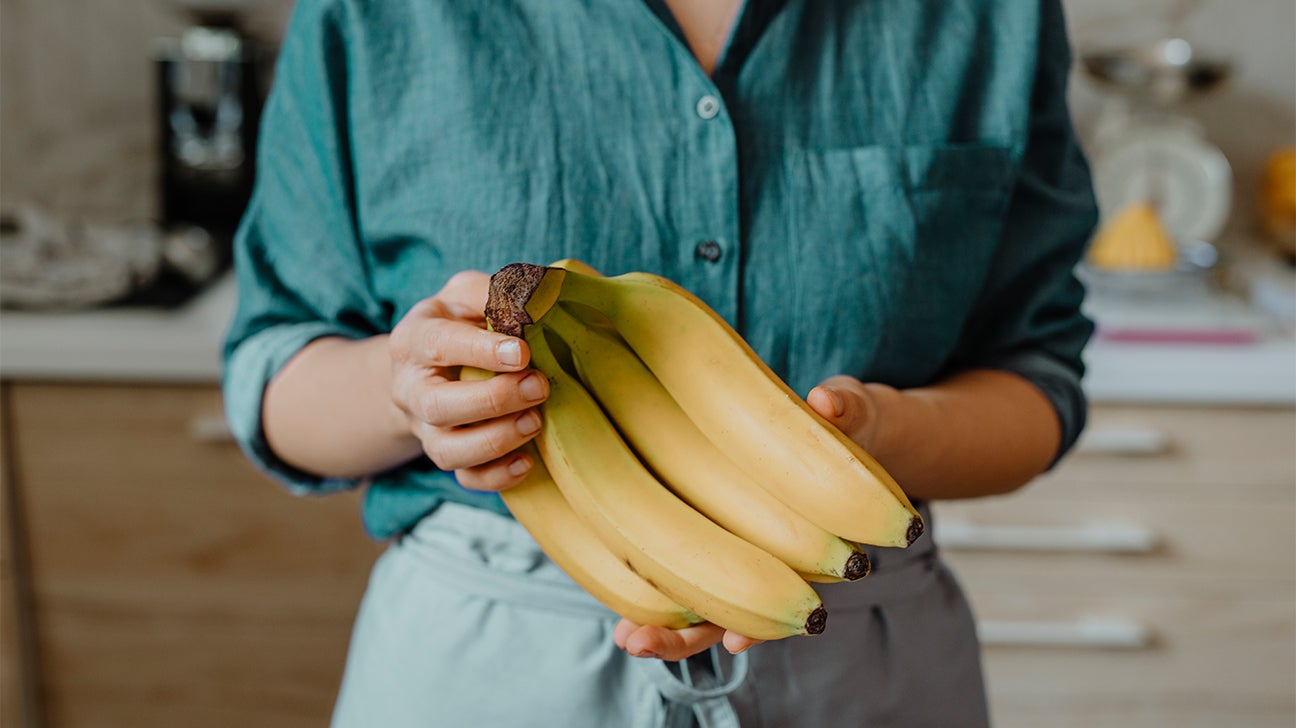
(710, 242)
(709, 217)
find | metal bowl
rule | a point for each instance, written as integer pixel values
(1166, 70)
(1191, 275)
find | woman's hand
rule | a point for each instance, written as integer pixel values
(470, 427)
(674, 645)
(977, 432)
(852, 406)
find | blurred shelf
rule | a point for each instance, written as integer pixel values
(120, 344)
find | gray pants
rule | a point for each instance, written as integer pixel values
(466, 623)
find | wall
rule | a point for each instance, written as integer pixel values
(1250, 115)
(77, 100)
(76, 91)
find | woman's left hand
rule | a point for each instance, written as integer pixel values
(852, 406)
(674, 645)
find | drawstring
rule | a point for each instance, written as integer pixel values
(697, 691)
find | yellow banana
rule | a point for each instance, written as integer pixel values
(708, 570)
(729, 393)
(686, 461)
(579, 266)
(542, 510)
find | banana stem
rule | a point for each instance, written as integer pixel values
(520, 293)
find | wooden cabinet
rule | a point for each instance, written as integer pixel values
(172, 584)
(1149, 580)
(18, 700)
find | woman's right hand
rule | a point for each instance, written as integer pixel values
(473, 428)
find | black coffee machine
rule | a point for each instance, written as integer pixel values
(212, 82)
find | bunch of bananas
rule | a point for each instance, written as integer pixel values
(677, 479)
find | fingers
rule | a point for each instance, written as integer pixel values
(827, 402)
(623, 630)
(435, 341)
(447, 330)
(736, 643)
(470, 427)
(476, 445)
(671, 644)
(675, 645)
(475, 427)
(847, 403)
(444, 403)
(464, 295)
(836, 398)
(497, 475)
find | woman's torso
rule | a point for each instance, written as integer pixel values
(834, 189)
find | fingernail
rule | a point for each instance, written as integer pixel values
(648, 655)
(528, 423)
(835, 399)
(509, 352)
(532, 387)
(520, 466)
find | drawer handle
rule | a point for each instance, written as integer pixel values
(1133, 440)
(1097, 537)
(1083, 633)
(210, 430)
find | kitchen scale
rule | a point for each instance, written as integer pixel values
(1147, 150)
(1153, 163)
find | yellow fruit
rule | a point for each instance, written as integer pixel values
(699, 565)
(1278, 199)
(688, 463)
(1135, 239)
(729, 394)
(540, 507)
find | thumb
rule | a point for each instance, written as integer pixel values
(464, 295)
(842, 401)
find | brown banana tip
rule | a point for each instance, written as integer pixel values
(857, 566)
(510, 290)
(817, 620)
(916, 528)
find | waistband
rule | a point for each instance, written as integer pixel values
(483, 553)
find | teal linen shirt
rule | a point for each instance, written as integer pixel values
(889, 189)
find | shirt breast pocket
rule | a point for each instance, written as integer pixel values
(953, 199)
(910, 231)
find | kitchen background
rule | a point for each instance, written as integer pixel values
(151, 578)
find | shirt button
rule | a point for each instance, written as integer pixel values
(708, 250)
(708, 106)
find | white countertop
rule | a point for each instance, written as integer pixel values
(120, 344)
(1262, 374)
(183, 346)
(1231, 343)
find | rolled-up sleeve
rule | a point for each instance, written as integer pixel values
(1028, 319)
(300, 270)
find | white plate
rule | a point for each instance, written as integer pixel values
(1175, 168)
